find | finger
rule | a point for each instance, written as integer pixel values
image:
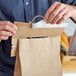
(8, 23)
(12, 25)
(50, 10)
(5, 33)
(65, 16)
(3, 38)
(8, 28)
(59, 15)
(55, 12)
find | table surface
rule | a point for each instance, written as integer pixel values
(69, 74)
(69, 64)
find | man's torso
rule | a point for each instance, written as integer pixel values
(19, 10)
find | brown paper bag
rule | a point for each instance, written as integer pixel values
(37, 56)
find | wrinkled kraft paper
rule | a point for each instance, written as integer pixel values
(37, 56)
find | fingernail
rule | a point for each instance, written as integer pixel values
(10, 34)
(16, 28)
(14, 32)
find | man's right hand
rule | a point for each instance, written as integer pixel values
(7, 29)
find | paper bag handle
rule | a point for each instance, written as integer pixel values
(38, 16)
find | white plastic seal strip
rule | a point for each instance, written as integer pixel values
(43, 24)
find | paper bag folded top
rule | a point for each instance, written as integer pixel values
(26, 30)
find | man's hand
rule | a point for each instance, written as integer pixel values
(7, 29)
(59, 12)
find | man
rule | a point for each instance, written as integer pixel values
(25, 10)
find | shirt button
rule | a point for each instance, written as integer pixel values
(27, 3)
